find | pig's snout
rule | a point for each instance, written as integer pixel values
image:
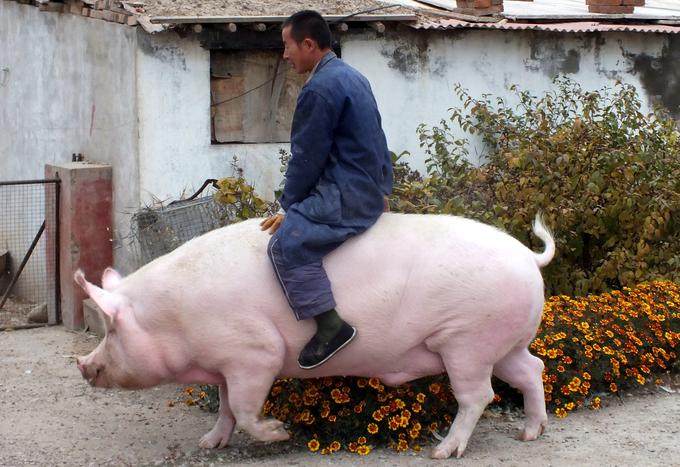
(89, 372)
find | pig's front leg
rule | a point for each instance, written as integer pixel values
(248, 390)
(219, 436)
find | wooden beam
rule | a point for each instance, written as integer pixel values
(221, 39)
(259, 27)
(378, 26)
(272, 19)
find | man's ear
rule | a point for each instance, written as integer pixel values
(308, 43)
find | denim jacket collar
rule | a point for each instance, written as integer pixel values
(325, 59)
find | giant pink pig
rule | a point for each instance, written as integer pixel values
(426, 293)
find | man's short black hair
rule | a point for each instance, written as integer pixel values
(309, 24)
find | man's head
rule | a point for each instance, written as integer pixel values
(306, 38)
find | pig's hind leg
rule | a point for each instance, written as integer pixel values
(219, 436)
(523, 371)
(471, 384)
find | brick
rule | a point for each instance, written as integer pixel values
(479, 11)
(604, 2)
(132, 21)
(109, 15)
(96, 14)
(85, 12)
(611, 10)
(474, 3)
(634, 2)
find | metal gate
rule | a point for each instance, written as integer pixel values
(29, 253)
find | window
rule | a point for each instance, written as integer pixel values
(253, 96)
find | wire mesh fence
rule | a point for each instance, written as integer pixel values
(28, 260)
(157, 231)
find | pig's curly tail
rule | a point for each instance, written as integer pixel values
(542, 232)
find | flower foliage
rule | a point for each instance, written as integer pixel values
(591, 346)
(603, 343)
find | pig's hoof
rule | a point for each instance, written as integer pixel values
(531, 433)
(443, 452)
(214, 439)
(271, 430)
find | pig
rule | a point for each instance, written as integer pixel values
(427, 293)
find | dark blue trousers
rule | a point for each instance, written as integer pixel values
(296, 251)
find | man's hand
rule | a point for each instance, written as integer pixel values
(272, 223)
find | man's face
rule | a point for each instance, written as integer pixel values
(299, 55)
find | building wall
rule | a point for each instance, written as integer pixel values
(67, 86)
(142, 102)
(413, 73)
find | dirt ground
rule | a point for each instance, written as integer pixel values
(15, 312)
(50, 416)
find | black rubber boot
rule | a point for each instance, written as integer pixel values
(328, 340)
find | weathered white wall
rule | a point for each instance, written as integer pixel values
(68, 87)
(150, 95)
(413, 73)
(176, 154)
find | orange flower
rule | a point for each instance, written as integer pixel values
(420, 397)
(363, 450)
(361, 440)
(372, 428)
(335, 446)
(561, 413)
(313, 445)
(394, 423)
(374, 383)
(613, 387)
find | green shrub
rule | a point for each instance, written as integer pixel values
(605, 176)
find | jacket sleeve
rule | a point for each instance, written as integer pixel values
(310, 143)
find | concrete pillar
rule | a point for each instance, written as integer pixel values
(86, 226)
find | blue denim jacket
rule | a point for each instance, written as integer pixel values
(340, 168)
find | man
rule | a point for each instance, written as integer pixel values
(337, 178)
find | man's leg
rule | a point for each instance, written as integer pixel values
(308, 292)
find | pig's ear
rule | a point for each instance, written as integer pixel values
(105, 300)
(110, 279)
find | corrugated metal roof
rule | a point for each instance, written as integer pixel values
(577, 9)
(573, 27)
(657, 16)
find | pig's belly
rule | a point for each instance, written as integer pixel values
(198, 375)
(393, 370)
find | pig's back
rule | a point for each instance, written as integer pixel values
(403, 280)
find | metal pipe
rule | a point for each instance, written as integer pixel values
(23, 264)
(57, 252)
(30, 182)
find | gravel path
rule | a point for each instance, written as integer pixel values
(50, 416)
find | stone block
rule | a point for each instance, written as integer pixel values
(94, 320)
